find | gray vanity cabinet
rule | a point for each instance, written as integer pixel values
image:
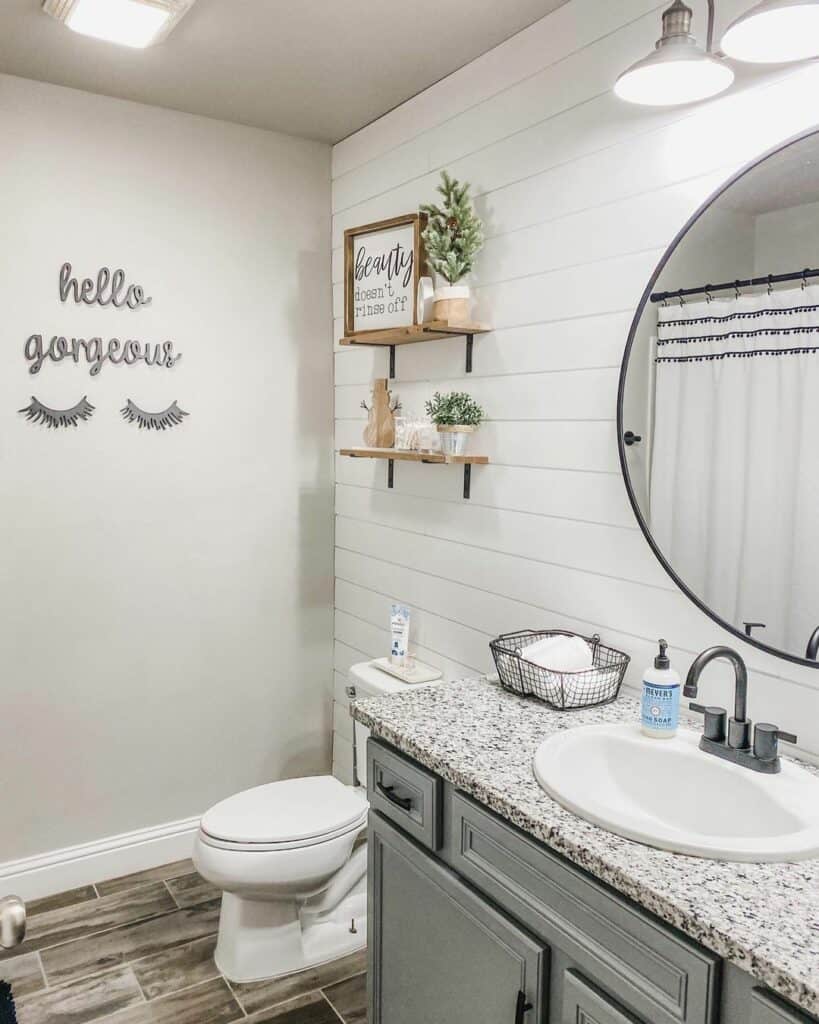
(472, 921)
(439, 953)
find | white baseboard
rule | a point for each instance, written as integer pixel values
(59, 870)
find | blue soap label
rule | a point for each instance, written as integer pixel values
(661, 705)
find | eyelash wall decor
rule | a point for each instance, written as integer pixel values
(165, 420)
(53, 418)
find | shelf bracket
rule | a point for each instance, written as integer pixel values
(467, 479)
(469, 339)
(392, 362)
(390, 473)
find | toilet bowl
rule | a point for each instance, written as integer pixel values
(273, 850)
(288, 862)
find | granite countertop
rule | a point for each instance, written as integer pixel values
(762, 917)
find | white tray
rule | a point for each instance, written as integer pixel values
(420, 673)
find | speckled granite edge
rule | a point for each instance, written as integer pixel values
(679, 896)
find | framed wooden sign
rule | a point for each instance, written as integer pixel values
(383, 263)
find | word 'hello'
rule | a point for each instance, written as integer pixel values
(107, 290)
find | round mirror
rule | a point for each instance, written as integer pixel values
(718, 408)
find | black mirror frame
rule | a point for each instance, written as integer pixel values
(621, 444)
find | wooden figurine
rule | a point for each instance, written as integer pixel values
(380, 429)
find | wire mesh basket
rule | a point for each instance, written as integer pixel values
(561, 690)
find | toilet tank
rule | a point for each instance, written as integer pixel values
(365, 680)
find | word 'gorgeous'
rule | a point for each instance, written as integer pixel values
(96, 353)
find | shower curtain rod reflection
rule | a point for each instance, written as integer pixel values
(737, 286)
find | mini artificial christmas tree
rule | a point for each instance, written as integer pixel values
(453, 238)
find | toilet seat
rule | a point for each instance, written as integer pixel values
(287, 815)
(301, 844)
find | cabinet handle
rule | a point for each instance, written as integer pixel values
(521, 1007)
(403, 802)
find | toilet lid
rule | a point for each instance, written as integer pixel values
(286, 812)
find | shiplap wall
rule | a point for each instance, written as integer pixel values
(580, 194)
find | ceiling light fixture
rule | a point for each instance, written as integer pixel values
(775, 32)
(678, 70)
(135, 23)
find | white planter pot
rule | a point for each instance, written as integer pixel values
(453, 303)
(454, 440)
(426, 300)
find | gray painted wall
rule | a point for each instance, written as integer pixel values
(165, 611)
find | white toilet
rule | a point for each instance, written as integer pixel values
(285, 855)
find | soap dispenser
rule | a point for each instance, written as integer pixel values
(661, 697)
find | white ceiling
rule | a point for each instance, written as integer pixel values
(316, 68)
(789, 178)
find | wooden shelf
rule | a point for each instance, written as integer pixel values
(393, 455)
(432, 330)
(400, 455)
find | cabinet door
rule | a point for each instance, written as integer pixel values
(439, 954)
(585, 1004)
(767, 1009)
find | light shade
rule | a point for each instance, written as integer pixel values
(136, 23)
(678, 71)
(775, 32)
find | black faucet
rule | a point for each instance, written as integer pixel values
(813, 645)
(734, 744)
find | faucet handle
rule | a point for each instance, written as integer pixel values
(715, 721)
(766, 741)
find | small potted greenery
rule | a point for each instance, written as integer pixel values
(456, 415)
(453, 238)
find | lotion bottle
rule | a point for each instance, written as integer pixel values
(661, 698)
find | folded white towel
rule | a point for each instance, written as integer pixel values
(560, 654)
(578, 693)
(540, 647)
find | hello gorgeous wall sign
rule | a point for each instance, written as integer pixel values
(107, 289)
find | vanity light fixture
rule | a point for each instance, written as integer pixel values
(134, 23)
(774, 32)
(678, 70)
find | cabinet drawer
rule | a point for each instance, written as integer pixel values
(767, 1009)
(405, 793)
(657, 973)
(584, 1004)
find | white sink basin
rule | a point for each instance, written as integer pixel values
(670, 794)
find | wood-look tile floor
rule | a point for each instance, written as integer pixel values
(139, 950)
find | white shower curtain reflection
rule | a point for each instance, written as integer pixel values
(734, 489)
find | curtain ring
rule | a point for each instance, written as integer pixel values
(804, 278)
(770, 284)
(708, 296)
(682, 300)
(737, 292)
